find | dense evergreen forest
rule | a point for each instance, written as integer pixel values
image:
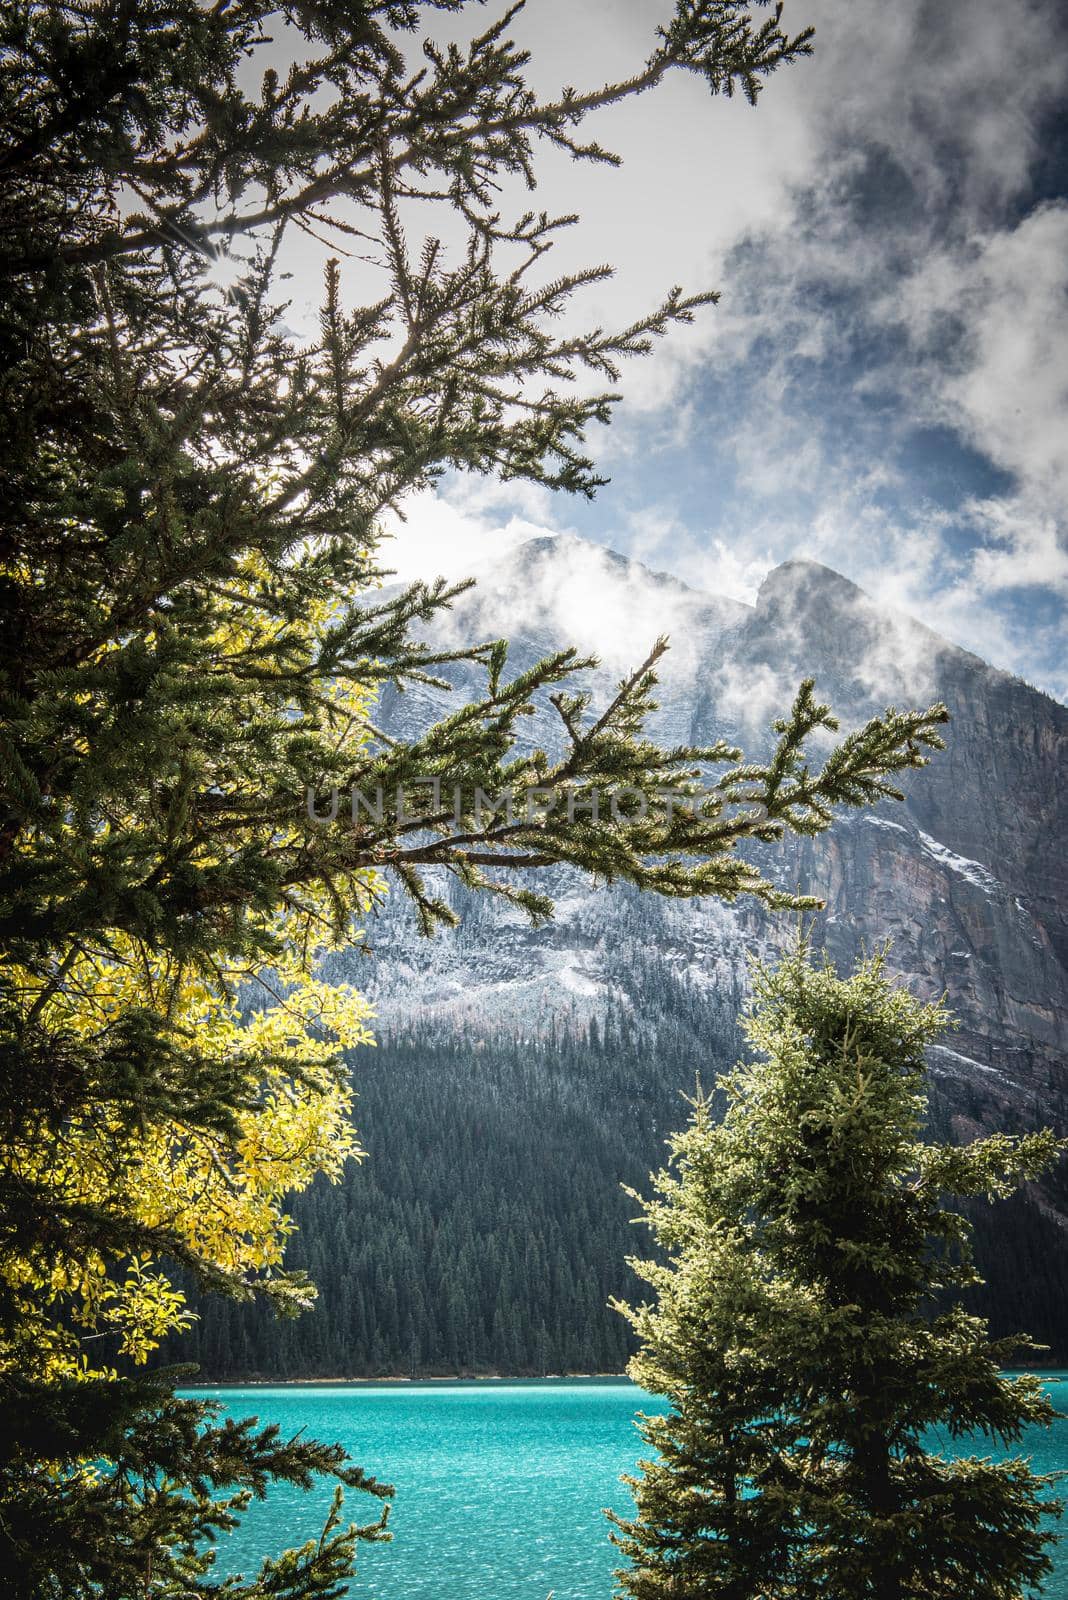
(488, 1227)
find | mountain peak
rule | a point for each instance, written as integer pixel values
(804, 580)
(590, 556)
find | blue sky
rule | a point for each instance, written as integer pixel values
(884, 384)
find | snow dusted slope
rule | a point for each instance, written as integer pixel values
(967, 878)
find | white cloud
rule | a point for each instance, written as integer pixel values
(1025, 548)
(751, 697)
(1011, 396)
(726, 570)
(444, 538)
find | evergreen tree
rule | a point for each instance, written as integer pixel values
(793, 1332)
(191, 643)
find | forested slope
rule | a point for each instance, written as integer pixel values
(488, 1229)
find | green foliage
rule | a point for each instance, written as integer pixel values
(124, 1529)
(191, 643)
(793, 1332)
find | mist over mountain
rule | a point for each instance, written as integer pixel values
(966, 877)
(524, 1073)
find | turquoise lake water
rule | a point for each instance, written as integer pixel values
(500, 1486)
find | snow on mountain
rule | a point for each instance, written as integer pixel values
(967, 878)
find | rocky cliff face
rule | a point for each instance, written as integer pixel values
(967, 878)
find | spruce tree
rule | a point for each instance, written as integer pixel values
(192, 639)
(794, 1328)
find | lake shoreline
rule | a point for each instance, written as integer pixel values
(455, 1377)
(1056, 1374)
